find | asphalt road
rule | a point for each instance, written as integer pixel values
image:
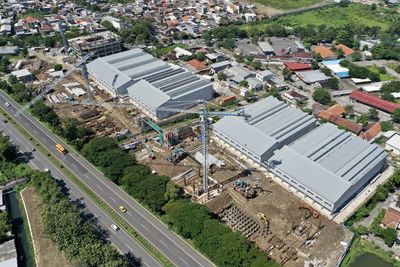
(146, 224)
(120, 239)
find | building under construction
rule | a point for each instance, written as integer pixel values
(100, 44)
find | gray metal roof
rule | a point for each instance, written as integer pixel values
(271, 123)
(328, 160)
(128, 71)
(312, 76)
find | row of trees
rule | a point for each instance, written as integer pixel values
(359, 71)
(73, 231)
(381, 194)
(8, 153)
(77, 135)
(191, 220)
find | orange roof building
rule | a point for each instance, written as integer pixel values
(347, 51)
(334, 115)
(197, 65)
(372, 132)
(391, 218)
(324, 51)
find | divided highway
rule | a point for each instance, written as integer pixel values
(120, 239)
(146, 224)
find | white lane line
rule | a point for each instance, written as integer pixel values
(99, 187)
(183, 261)
(87, 176)
(113, 199)
(131, 249)
(165, 245)
(74, 165)
(147, 229)
(35, 131)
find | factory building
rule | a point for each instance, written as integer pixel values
(328, 165)
(271, 125)
(100, 44)
(148, 82)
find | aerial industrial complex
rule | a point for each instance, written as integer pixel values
(148, 82)
(326, 164)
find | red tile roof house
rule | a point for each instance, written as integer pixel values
(374, 101)
(296, 66)
(371, 132)
(334, 115)
(197, 66)
(391, 218)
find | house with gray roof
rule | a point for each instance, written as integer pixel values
(271, 124)
(328, 165)
(148, 82)
(8, 254)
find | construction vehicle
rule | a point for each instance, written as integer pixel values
(312, 212)
(261, 216)
(245, 189)
(177, 155)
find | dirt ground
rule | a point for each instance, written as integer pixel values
(282, 211)
(47, 254)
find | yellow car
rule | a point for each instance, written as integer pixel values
(122, 208)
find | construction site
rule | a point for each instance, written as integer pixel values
(240, 194)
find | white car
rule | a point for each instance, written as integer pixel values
(114, 227)
(46, 170)
(7, 104)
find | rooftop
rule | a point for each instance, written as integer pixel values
(8, 254)
(324, 51)
(271, 122)
(328, 160)
(391, 218)
(312, 76)
(374, 101)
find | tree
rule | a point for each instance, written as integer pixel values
(172, 192)
(109, 26)
(389, 235)
(57, 67)
(349, 110)
(256, 65)
(12, 79)
(287, 75)
(314, 64)
(322, 96)
(333, 83)
(386, 126)
(362, 230)
(373, 114)
(5, 226)
(243, 83)
(363, 119)
(356, 56)
(339, 53)
(8, 151)
(397, 69)
(221, 76)
(396, 116)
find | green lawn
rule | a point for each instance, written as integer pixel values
(383, 77)
(353, 14)
(288, 4)
(361, 246)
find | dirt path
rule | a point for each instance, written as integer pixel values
(46, 253)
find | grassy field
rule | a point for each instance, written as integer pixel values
(47, 253)
(288, 4)
(383, 77)
(361, 246)
(353, 14)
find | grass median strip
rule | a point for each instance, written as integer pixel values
(103, 205)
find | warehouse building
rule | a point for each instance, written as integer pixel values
(328, 165)
(148, 82)
(100, 44)
(271, 125)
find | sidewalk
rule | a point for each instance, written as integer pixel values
(363, 196)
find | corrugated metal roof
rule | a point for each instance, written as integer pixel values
(121, 71)
(328, 160)
(271, 122)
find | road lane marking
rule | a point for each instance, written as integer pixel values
(147, 229)
(183, 261)
(113, 199)
(87, 176)
(165, 245)
(131, 249)
(74, 165)
(99, 187)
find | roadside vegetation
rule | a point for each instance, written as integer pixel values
(191, 220)
(380, 195)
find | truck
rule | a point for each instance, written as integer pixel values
(61, 149)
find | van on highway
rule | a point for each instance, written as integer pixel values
(61, 149)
